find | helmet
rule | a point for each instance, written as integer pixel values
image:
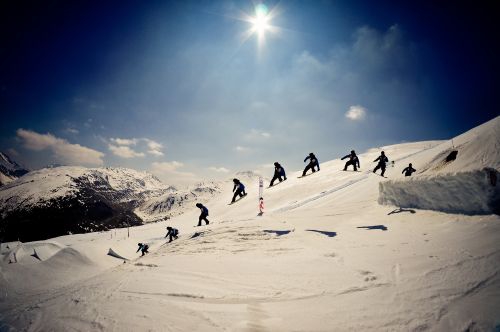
(352, 151)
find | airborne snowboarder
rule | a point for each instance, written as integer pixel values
(408, 170)
(238, 189)
(203, 215)
(143, 248)
(353, 160)
(172, 233)
(279, 172)
(313, 162)
(382, 160)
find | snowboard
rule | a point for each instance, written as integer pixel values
(276, 183)
(380, 175)
(348, 170)
(237, 200)
(303, 176)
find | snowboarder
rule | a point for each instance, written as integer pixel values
(353, 160)
(203, 215)
(172, 233)
(382, 160)
(313, 162)
(143, 247)
(238, 189)
(279, 172)
(408, 170)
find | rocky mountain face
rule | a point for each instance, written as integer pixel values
(178, 202)
(61, 200)
(9, 169)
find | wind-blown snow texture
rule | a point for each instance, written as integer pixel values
(467, 184)
(324, 256)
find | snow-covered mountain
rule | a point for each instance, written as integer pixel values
(324, 255)
(175, 203)
(62, 200)
(9, 169)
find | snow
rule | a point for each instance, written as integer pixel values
(176, 202)
(469, 192)
(40, 187)
(324, 256)
(468, 184)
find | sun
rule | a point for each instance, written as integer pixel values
(260, 22)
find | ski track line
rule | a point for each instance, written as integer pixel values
(335, 189)
(321, 195)
(247, 300)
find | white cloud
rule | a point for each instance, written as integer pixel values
(124, 141)
(64, 152)
(120, 146)
(72, 131)
(241, 148)
(154, 147)
(166, 166)
(256, 134)
(356, 113)
(169, 173)
(124, 151)
(219, 169)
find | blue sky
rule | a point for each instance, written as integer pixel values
(175, 88)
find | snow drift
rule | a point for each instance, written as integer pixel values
(473, 192)
(458, 176)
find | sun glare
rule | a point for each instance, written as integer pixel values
(260, 24)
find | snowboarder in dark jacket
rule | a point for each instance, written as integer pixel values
(203, 215)
(279, 172)
(408, 170)
(143, 248)
(313, 162)
(382, 160)
(353, 160)
(172, 233)
(238, 189)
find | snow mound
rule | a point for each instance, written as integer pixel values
(473, 192)
(457, 176)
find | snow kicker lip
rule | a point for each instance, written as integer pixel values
(113, 253)
(473, 192)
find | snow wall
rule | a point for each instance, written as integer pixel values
(474, 192)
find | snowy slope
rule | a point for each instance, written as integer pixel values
(325, 256)
(175, 203)
(467, 184)
(9, 169)
(62, 200)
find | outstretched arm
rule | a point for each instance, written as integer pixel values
(344, 157)
(376, 159)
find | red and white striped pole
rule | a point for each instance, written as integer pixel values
(261, 195)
